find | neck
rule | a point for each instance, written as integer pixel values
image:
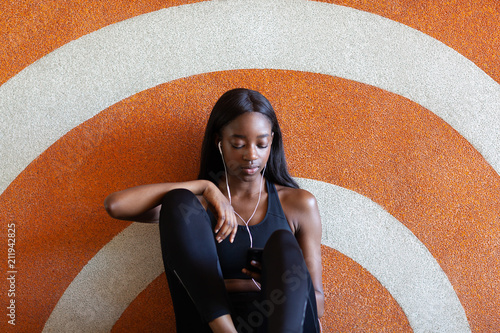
(242, 188)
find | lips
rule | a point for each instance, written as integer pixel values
(250, 170)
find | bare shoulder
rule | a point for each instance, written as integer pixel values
(299, 205)
(296, 198)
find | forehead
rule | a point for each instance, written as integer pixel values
(247, 124)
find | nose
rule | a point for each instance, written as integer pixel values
(251, 154)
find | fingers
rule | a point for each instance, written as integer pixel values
(220, 224)
(254, 275)
(226, 226)
(256, 264)
(233, 233)
(223, 232)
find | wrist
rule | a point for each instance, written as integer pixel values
(208, 187)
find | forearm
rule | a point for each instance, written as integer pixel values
(136, 201)
(315, 270)
(320, 303)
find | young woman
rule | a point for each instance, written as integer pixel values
(244, 198)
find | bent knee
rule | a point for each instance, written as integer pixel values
(282, 236)
(178, 205)
(281, 241)
(178, 195)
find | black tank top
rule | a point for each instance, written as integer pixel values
(232, 256)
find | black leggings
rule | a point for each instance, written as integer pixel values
(286, 302)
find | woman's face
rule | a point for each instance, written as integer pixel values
(246, 144)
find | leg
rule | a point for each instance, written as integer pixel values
(287, 285)
(190, 258)
(187, 316)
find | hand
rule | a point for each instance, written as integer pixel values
(227, 224)
(256, 275)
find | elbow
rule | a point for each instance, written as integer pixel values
(111, 205)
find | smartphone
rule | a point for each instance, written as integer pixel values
(253, 254)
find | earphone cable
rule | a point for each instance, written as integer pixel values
(255, 210)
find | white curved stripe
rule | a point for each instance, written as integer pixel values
(352, 224)
(110, 281)
(87, 75)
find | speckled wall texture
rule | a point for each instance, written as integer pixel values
(391, 117)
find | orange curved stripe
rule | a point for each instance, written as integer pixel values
(152, 311)
(356, 136)
(370, 308)
(30, 30)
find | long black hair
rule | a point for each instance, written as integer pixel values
(230, 105)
